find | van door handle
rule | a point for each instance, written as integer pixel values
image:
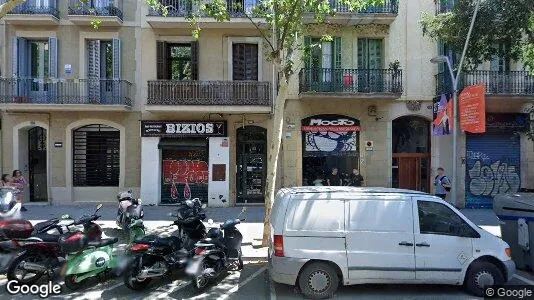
(422, 245)
(405, 244)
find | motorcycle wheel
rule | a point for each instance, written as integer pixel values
(17, 273)
(199, 281)
(131, 281)
(135, 233)
(71, 284)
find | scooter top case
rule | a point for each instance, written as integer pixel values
(15, 229)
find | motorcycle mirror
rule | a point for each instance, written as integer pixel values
(244, 210)
(210, 221)
(204, 206)
(98, 207)
(139, 201)
(65, 217)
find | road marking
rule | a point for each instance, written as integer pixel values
(173, 289)
(241, 284)
(98, 293)
(525, 280)
(272, 288)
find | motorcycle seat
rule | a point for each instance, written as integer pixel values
(40, 226)
(171, 241)
(103, 242)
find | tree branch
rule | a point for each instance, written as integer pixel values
(261, 31)
(290, 17)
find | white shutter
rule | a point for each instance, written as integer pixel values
(116, 59)
(93, 71)
(327, 61)
(52, 47)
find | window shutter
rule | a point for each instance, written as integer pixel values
(116, 59)
(194, 60)
(336, 62)
(93, 71)
(15, 56)
(161, 60)
(52, 46)
(308, 58)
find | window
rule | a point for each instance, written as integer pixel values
(96, 156)
(103, 59)
(39, 66)
(436, 218)
(369, 54)
(383, 210)
(500, 62)
(316, 215)
(177, 61)
(244, 61)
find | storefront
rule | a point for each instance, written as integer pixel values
(329, 141)
(192, 161)
(493, 160)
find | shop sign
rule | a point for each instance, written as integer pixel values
(183, 128)
(330, 123)
(502, 123)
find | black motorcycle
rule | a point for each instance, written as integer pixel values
(153, 256)
(219, 252)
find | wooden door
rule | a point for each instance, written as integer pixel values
(414, 171)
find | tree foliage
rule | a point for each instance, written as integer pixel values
(508, 22)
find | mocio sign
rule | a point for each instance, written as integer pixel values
(333, 123)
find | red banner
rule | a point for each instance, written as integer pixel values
(332, 128)
(473, 109)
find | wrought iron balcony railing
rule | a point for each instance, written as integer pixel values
(65, 91)
(497, 83)
(350, 81)
(107, 8)
(184, 8)
(444, 6)
(173, 92)
(35, 7)
(389, 7)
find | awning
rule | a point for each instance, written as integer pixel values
(183, 143)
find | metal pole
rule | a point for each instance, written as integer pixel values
(454, 189)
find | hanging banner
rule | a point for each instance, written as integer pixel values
(473, 109)
(443, 120)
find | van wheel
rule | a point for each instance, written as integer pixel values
(480, 275)
(318, 281)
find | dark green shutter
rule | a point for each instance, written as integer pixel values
(194, 60)
(161, 61)
(337, 72)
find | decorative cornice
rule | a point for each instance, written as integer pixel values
(372, 30)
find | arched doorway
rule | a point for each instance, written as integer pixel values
(30, 156)
(329, 141)
(411, 153)
(251, 164)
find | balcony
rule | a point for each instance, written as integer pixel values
(65, 94)
(225, 96)
(513, 84)
(380, 14)
(444, 6)
(350, 83)
(33, 12)
(108, 12)
(179, 10)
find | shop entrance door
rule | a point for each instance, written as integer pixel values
(411, 154)
(37, 164)
(251, 164)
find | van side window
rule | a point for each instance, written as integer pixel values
(381, 216)
(316, 215)
(436, 218)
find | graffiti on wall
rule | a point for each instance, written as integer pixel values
(490, 180)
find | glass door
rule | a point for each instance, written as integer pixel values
(39, 70)
(251, 164)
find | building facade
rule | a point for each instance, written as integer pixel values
(139, 104)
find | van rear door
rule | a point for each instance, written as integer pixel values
(380, 238)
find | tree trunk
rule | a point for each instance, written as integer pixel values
(272, 162)
(9, 6)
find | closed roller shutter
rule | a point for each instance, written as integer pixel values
(493, 167)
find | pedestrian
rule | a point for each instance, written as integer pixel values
(19, 181)
(355, 178)
(6, 180)
(442, 184)
(334, 179)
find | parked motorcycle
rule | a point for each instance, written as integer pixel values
(154, 256)
(9, 207)
(130, 215)
(219, 252)
(42, 255)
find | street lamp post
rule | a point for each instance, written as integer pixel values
(455, 123)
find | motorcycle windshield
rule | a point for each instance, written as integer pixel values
(135, 211)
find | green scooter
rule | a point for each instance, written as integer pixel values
(87, 258)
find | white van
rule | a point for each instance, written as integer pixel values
(326, 236)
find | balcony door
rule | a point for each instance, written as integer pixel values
(323, 64)
(245, 67)
(103, 71)
(39, 69)
(499, 81)
(370, 57)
